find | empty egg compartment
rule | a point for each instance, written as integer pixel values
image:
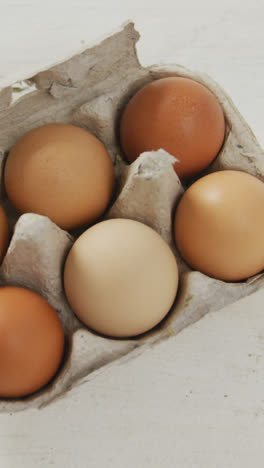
(90, 90)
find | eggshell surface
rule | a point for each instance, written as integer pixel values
(4, 233)
(219, 225)
(31, 342)
(60, 171)
(179, 115)
(120, 278)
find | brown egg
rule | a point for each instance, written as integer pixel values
(121, 278)
(31, 342)
(60, 171)
(219, 225)
(179, 115)
(4, 233)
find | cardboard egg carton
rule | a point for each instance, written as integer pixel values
(90, 90)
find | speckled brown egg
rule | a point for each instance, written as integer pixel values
(60, 171)
(179, 115)
(31, 342)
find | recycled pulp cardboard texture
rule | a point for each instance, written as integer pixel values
(90, 90)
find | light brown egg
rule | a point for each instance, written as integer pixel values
(120, 278)
(31, 342)
(179, 115)
(219, 225)
(60, 171)
(4, 233)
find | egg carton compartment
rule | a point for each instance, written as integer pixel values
(90, 90)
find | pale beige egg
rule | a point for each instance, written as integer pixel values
(121, 278)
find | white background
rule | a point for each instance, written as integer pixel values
(223, 38)
(198, 399)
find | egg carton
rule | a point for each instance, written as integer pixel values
(90, 90)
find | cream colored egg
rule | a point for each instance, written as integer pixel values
(120, 278)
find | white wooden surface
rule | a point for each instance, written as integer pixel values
(196, 400)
